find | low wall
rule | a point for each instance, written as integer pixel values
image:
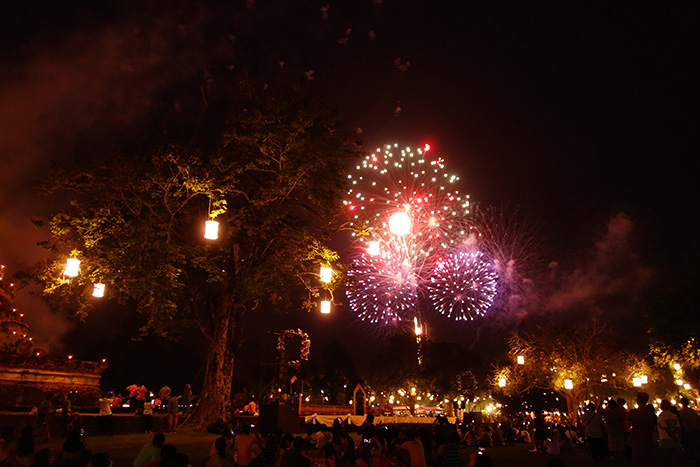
(123, 423)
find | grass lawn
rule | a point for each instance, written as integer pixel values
(123, 449)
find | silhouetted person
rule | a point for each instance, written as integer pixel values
(643, 421)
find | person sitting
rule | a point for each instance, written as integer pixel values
(150, 451)
(222, 457)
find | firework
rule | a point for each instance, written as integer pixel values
(384, 289)
(463, 285)
(393, 180)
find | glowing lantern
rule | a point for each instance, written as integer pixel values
(501, 382)
(686, 386)
(636, 382)
(679, 382)
(98, 290)
(521, 360)
(399, 223)
(211, 230)
(72, 267)
(373, 248)
(325, 307)
(568, 384)
(326, 274)
(676, 366)
(644, 379)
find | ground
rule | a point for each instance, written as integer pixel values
(123, 449)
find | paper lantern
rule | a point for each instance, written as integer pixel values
(72, 267)
(400, 223)
(501, 382)
(568, 384)
(373, 248)
(521, 360)
(326, 274)
(637, 382)
(98, 290)
(211, 230)
(325, 307)
(644, 379)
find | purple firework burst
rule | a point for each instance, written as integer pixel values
(463, 285)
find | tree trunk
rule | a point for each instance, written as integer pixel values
(215, 398)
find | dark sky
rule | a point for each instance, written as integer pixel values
(574, 114)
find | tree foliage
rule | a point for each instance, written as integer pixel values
(584, 353)
(272, 180)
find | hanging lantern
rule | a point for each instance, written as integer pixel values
(521, 360)
(568, 384)
(373, 248)
(72, 267)
(326, 274)
(501, 382)
(645, 379)
(400, 223)
(637, 382)
(211, 230)
(98, 290)
(325, 307)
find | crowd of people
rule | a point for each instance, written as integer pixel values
(607, 431)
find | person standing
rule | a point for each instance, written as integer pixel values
(164, 396)
(105, 420)
(593, 429)
(45, 416)
(641, 439)
(690, 422)
(614, 426)
(173, 413)
(669, 436)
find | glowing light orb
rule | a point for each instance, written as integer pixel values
(400, 223)
(463, 285)
(521, 360)
(211, 230)
(98, 290)
(501, 382)
(568, 384)
(637, 382)
(72, 267)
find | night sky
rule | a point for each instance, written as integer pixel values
(581, 116)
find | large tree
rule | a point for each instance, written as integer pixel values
(271, 178)
(585, 354)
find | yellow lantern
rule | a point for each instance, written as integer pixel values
(501, 382)
(98, 290)
(326, 274)
(568, 384)
(637, 382)
(325, 307)
(521, 360)
(72, 267)
(211, 230)
(644, 378)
